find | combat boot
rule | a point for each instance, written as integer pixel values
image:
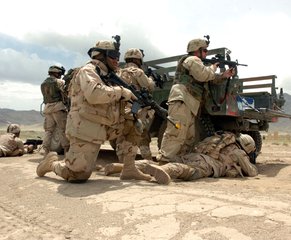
(130, 171)
(47, 164)
(158, 173)
(163, 174)
(112, 168)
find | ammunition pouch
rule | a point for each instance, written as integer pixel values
(195, 88)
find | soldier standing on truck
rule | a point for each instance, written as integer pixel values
(95, 116)
(185, 99)
(134, 75)
(55, 110)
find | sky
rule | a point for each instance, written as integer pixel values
(37, 34)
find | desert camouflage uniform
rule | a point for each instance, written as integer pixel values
(184, 104)
(11, 145)
(135, 76)
(55, 117)
(215, 156)
(93, 118)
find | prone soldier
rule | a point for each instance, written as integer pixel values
(11, 144)
(221, 155)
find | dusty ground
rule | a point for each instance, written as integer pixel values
(107, 208)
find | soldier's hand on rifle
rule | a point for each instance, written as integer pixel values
(228, 73)
(127, 94)
(215, 66)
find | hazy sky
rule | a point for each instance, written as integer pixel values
(35, 34)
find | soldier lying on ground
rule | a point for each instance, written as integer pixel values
(11, 144)
(221, 155)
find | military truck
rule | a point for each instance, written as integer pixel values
(245, 105)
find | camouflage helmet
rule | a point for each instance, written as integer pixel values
(13, 128)
(57, 69)
(195, 44)
(133, 53)
(101, 46)
(247, 143)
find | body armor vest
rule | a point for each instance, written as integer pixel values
(182, 76)
(50, 91)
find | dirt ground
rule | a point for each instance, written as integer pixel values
(107, 208)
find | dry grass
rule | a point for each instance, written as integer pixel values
(277, 138)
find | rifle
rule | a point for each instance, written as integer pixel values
(34, 142)
(157, 77)
(144, 98)
(222, 62)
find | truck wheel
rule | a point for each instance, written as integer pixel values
(161, 133)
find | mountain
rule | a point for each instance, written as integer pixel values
(283, 124)
(31, 117)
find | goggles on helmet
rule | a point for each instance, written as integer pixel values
(114, 54)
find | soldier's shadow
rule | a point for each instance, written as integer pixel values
(95, 187)
(92, 186)
(270, 169)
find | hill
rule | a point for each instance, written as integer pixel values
(283, 124)
(31, 117)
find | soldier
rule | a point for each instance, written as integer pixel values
(55, 110)
(134, 75)
(11, 144)
(221, 155)
(184, 100)
(93, 118)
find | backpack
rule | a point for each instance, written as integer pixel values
(69, 76)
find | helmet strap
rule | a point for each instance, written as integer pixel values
(200, 53)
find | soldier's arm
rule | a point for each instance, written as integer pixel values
(198, 70)
(144, 81)
(95, 90)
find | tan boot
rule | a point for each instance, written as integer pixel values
(46, 165)
(112, 168)
(159, 173)
(130, 171)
